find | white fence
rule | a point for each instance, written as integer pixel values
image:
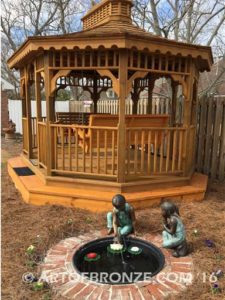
(15, 111)
(160, 105)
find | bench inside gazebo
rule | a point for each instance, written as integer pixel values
(82, 159)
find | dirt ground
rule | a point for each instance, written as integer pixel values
(24, 225)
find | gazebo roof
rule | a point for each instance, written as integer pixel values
(108, 24)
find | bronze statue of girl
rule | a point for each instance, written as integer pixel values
(174, 236)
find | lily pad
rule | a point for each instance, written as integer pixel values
(86, 258)
(134, 252)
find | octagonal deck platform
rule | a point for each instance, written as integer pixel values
(96, 195)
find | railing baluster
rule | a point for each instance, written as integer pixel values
(113, 152)
(128, 150)
(91, 155)
(180, 149)
(142, 150)
(69, 150)
(84, 150)
(98, 153)
(55, 146)
(168, 150)
(105, 152)
(76, 148)
(155, 151)
(161, 151)
(174, 150)
(135, 151)
(149, 151)
(62, 147)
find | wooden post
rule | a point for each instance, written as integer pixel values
(151, 83)
(187, 120)
(121, 126)
(28, 112)
(38, 106)
(134, 97)
(174, 86)
(95, 95)
(49, 116)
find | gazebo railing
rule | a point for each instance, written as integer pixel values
(155, 151)
(92, 151)
(84, 150)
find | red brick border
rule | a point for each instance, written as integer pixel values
(59, 272)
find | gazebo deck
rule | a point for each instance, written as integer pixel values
(70, 193)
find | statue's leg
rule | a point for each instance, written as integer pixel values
(181, 250)
(166, 239)
(169, 241)
(125, 230)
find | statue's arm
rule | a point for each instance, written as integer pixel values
(133, 217)
(173, 226)
(115, 227)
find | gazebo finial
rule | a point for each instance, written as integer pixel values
(106, 11)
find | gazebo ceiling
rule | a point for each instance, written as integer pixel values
(109, 25)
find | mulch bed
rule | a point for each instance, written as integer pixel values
(43, 226)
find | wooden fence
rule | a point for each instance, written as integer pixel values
(210, 154)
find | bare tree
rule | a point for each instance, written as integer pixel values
(24, 18)
(191, 21)
(185, 20)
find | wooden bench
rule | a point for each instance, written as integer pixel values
(72, 118)
(69, 118)
(102, 139)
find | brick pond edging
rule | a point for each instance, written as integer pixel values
(59, 272)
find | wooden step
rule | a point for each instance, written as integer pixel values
(35, 191)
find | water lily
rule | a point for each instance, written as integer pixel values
(92, 255)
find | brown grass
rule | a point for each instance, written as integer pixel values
(21, 223)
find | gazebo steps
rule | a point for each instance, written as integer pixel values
(35, 191)
(112, 186)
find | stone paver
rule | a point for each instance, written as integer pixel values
(59, 272)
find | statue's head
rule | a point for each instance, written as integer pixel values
(169, 208)
(118, 201)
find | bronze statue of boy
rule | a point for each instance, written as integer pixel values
(121, 220)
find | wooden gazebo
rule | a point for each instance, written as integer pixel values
(82, 159)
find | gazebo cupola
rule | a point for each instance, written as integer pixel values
(108, 10)
(113, 152)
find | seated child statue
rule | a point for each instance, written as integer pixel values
(121, 220)
(174, 236)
